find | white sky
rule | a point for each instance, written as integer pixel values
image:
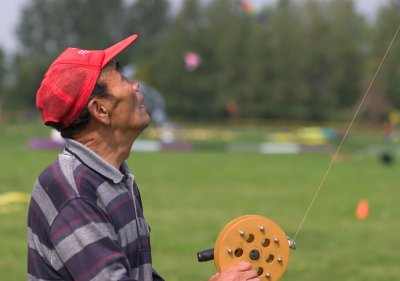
(10, 11)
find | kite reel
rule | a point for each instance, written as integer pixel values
(254, 239)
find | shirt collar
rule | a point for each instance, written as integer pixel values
(95, 162)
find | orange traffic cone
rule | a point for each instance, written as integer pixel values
(362, 210)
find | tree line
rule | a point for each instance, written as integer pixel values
(307, 60)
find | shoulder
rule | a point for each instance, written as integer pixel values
(64, 180)
(57, 179)
(67, 177)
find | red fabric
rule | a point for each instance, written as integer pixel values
(68, 83)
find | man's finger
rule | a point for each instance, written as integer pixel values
(243, 266)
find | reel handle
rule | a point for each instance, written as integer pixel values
(205, 255)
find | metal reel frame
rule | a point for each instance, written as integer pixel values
(254, 239)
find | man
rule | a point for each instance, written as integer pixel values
(85, 218)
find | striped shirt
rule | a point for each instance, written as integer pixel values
(85, 221)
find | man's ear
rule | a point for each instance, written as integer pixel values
(100, 110)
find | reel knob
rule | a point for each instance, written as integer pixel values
(205, 255)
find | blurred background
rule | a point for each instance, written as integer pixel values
(264, 89)
(226, 60)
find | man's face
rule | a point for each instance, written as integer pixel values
(128, 112)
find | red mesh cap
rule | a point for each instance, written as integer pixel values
(68, 83)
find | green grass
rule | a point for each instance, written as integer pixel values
(189, 197)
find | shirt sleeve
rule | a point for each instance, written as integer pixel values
(86, 245)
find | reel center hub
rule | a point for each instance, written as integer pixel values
(254, 255)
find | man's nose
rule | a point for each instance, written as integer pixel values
(135, 86)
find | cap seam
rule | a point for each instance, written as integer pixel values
(88, 91)
(73, 63)
(59, 93)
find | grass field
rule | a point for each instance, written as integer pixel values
(189, 197)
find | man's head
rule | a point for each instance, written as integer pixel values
(76, 79)
(122, 109)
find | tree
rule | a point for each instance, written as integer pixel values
(150, 20)
(388, 80)
(181, 88)
(304, 59)
(348, 33)
(285, 92)
(27, 74)
(335, 36)
(2, 75)
(48, 27)
(228, 29)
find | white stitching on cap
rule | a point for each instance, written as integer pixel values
(83, 52)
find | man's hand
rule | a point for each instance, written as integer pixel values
(240, 272)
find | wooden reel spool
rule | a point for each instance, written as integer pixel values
(253, 239)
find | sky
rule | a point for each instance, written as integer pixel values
(10, 11)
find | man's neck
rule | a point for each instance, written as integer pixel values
(112, 147)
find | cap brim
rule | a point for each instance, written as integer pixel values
(114, 50)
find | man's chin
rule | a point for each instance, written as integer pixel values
(146, 124)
